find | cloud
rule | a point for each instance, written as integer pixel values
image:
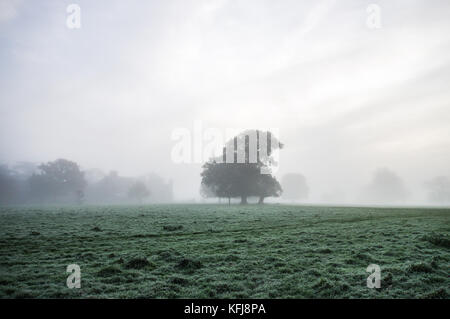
(9, 9)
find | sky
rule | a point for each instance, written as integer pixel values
(345, 98)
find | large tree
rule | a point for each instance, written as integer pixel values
(250, 176)
(57, 179)
(217, 180)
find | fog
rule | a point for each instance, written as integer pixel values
(363, 111)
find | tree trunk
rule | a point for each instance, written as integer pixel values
(244, 200)
(261, 200)
(229, 201)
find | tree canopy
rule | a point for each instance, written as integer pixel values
(57, 179)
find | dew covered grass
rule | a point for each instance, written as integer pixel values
(220, 251)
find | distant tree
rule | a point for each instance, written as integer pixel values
(294, 186)
(114, 188)
(14, 182)
(56, 179)
(109, 189)
(161, 190)
(25, 168)
(439, 190)
(94, 175)
(385, 187)
(227, 178)
(138, 191)
(7, 185)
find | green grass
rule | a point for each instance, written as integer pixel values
(219, 251)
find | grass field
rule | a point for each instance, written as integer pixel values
(219, 251)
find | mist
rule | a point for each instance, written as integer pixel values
(363, 112)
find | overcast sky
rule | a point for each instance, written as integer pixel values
(347, 99)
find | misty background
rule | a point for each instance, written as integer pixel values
(363, 113)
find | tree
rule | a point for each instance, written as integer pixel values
(439, 190)
(7, 184)
(222, 177)
(138, 191)
(217, 180)
(385, 187)
(14, 182)
(267, 186)
(161, 190)
(294, 186)
(57, 179)
(110, 189)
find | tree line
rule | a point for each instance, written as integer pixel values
(63, 182)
